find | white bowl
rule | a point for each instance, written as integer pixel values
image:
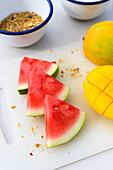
(44, 8)
(84, 10)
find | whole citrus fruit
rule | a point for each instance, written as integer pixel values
(98, 43)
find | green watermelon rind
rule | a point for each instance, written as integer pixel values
(70, 134)
(54, 70)
(63, 96)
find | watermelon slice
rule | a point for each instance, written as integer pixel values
(39, 85)
(26, 66)
(63, 121)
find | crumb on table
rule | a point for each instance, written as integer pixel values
(22, 136)
(51, 50)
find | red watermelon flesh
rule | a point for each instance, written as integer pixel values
(63, 121)
(26, 66)
(39, 85)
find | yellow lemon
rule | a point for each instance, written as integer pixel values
(98, 43)
(98, 90)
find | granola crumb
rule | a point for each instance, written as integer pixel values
(42, 150)
(62, 76)
(54, 62)
(51, 51)
(37, 145)
(61, 61)
(34, 133)
(22, 136)
(77, 70)
(72, 52)
(13, 107)
(67, 69)
(19, 125)
(21, 157)
(76, 49)
(48, 151)
(75, 77)
(62, 72)
(68, 152)
(42, 137)
(79, 75)
(72, 74)
(37, 126)
(31, 154)
(32, 129)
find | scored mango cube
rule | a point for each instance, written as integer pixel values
(101, 103)
(98, 80)
(93, 93)
(109, 73)
(109, 90)
(109, 112)
(102, 69)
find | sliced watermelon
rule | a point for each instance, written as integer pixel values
(26, 66)
(39, 85)
(63, 121)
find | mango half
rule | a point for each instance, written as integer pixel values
(98, 90)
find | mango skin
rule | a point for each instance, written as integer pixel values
(98, 43)
(98, 90)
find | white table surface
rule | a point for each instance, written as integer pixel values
(63, 30)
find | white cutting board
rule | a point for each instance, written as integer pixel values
(95, 136)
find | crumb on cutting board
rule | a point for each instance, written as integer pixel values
(61, 61)
(31, 154)
(72, 52)
(18, 125)
(32, 129)
(42, 150)
(54, 62)
(37, 145)
(13, 107)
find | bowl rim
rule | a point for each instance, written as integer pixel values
(88, 3)
(33, 29)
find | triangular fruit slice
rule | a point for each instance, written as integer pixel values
(63, 121)
(26, 66)
(39, 85)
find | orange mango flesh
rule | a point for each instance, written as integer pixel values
(98, 90)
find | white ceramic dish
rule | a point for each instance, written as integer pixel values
(44, 8)
(84, 10)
